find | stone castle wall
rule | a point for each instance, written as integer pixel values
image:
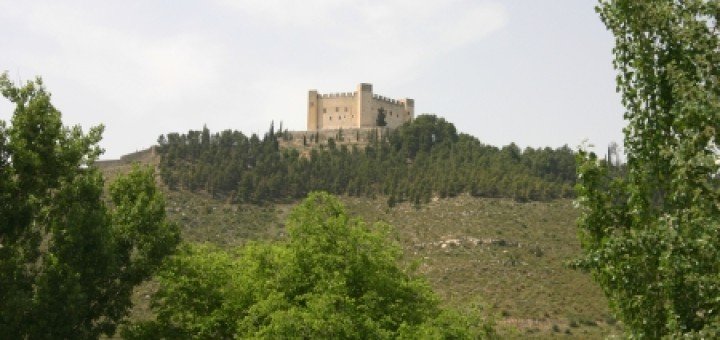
(357, 109)
(339, 136)
(338, 110)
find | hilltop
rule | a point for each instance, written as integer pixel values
(416, 162)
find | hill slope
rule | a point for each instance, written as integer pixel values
(505, 256)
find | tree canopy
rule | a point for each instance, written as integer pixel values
(652, 236)
(69, 260)
(334, 277)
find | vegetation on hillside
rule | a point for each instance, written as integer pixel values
(68, 260)
(415, 162)
(652, 237)
(498, 256)
(334, 277)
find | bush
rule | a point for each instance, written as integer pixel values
(335, 277)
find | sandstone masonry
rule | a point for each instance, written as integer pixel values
(359, 109)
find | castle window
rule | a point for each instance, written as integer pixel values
(324, 110)
(346, 109)
(330, 117)
(337, 109)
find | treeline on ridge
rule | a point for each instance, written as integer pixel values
(424, 158)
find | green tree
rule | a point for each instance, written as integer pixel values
(652, 235)
(380, 120)
(68, 262)
(335, 277)
(425, 132)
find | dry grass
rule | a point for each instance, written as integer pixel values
(508, 256)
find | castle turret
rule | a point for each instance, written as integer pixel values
(364, 105)
(313, 119)
(409, 105)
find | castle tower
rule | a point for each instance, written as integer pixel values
(409, 105)
(364, 105)
(313, 118)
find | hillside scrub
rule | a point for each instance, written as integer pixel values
(419, 160)
(334, 277)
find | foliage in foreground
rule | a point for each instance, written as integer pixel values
(68, 262)
(415, 162)
(652, 237)
(335, 277)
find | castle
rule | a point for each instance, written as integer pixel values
(354, 110)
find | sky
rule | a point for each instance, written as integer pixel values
(534, 72)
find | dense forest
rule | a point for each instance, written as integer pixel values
(420, 160)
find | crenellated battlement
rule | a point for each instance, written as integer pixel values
(358, 109)
(337, 95)
(386, 99)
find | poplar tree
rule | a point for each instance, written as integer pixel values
(651, 237)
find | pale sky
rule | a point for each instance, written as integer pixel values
(533, 72)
